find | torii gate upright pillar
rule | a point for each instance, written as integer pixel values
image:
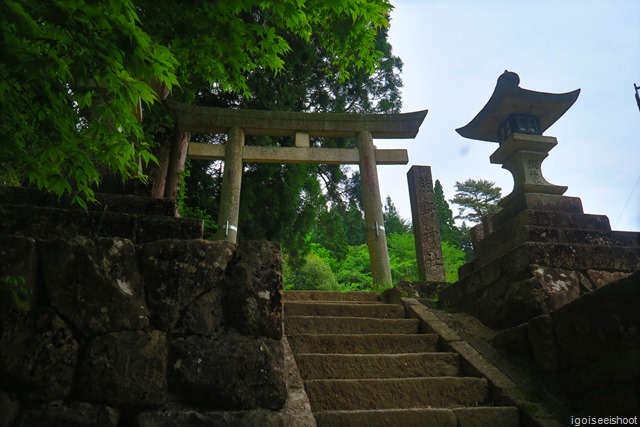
(373, 219)
(231, 182)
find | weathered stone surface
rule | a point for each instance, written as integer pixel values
(123, 203)
(416, 290)
(600, 323)
(18, 270)
(491, 416)
(619, 368)
(557, 287)
(543, 343)
(513, 289)
(204, 316)
(509, 304)
(177, 272)
(623, 400)
(282, 123)
(125, 368)
(72, 414)
(94, 283)
(253, 303)
(39, 353)
(600, 278)
(9, 409)
(152, 228)
(54, 223)
(255, 418)
(425, 224)
(514, 340)
(233, 372)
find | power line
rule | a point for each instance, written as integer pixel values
(625, 205)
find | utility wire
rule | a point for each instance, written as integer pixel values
(625, 205)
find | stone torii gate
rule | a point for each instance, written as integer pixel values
(239, 123)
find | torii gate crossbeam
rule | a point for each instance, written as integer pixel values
(302, 126)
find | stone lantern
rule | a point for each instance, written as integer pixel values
(541, 251)
(516, 119)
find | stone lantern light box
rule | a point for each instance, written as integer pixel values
(516, 118)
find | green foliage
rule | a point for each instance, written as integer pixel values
(402, 257)
(454, 257)
(9, 177)
(13, 290)
(476, 198)
(186, 211)
(448, 230)
(220, 44)
(354, 272)
(314, 274)
(71, 80)
(393, 223)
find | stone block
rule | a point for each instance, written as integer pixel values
(558, 286)
(95, 284)
(233, 372)
(9, 409)
(172, 418)
(621, 367)
(600, 323)
(253, 301)
(542, 342)
(39, 353)
(125, 368)
(178, 272)
(489, 416)
(72, 414)
(514, 340)
(600, 278)
(418, 290)
(623, 400)
(204, 316)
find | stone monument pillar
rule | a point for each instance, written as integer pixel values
(425, 224)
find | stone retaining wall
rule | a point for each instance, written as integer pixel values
(165, 333)
(591, 346)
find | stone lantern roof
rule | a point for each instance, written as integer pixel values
(509, 98)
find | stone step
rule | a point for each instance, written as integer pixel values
(339, 309)
(120, 203)
(363, 344)
(349, 325)
(354, 366)
(500, 416)
(51, 223)
(367, 297)
(439, 392)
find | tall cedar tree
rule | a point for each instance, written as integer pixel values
(448, 230)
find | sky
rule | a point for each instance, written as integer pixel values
(453, 53)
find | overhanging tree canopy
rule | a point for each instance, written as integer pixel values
(72, 73)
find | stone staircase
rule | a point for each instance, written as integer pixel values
(364, 364)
